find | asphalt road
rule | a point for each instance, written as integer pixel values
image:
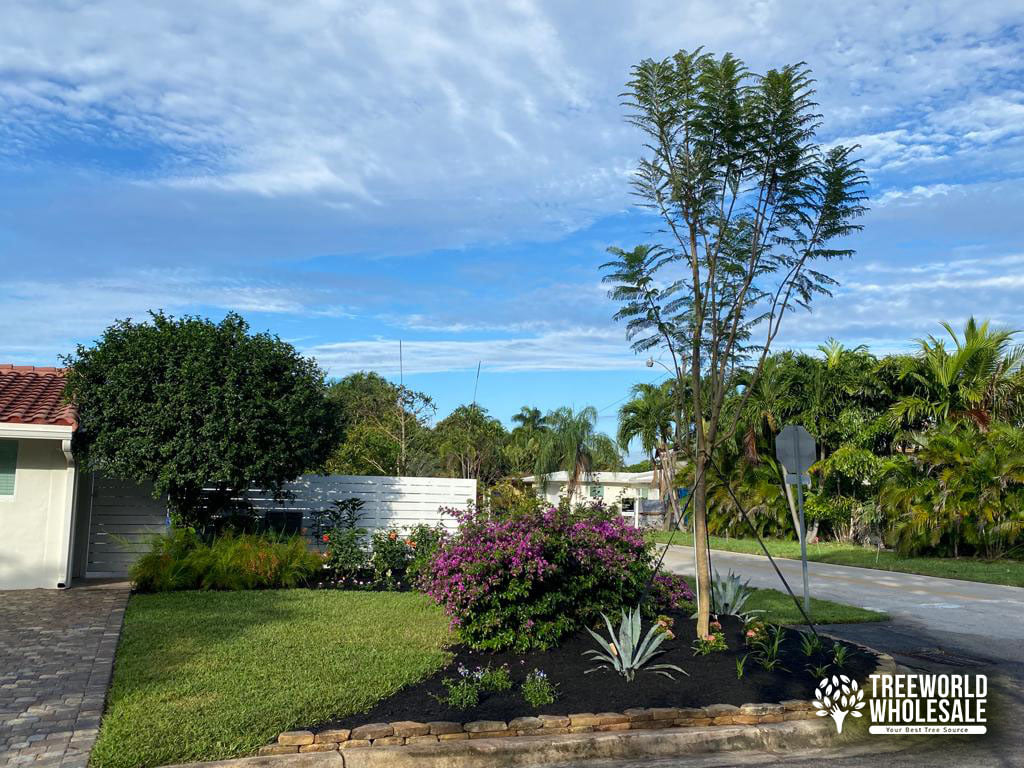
(978, 624)
(938, 625)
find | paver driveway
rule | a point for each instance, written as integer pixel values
(56, 656)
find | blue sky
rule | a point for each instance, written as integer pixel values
(347, 174)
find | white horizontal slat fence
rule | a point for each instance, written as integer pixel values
(124, 516)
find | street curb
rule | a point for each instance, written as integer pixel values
(543, 750)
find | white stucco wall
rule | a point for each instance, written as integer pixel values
(614, 492)
(34, 523)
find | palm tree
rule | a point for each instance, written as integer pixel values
(573, 444)
(978, 380)
(648, 417)
(530, 419)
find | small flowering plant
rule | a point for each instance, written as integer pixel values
(663, 625)
(713, 642)
(538, 691)
(754, 633)
(463, 691)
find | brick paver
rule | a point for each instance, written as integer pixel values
(56, 656)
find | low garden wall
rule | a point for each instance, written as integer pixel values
(411, 732)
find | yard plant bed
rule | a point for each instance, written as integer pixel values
(712, 680)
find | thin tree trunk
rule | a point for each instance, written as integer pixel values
(700, 530)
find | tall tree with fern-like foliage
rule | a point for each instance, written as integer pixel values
(751, 206)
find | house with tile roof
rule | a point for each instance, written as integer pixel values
(38, 479)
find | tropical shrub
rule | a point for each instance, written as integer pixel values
(337, 530)
(961, 489)
(390, 558)
(669, 592)
(423, 542)
(527, 577)
(181, 560)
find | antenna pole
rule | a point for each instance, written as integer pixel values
(401, 409)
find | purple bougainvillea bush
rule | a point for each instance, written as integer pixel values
(525, 577)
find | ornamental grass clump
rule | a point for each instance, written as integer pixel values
(526, 576)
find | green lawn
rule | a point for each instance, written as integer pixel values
(207, 675)
(210, 675)
(778, 608)
(1009, 572)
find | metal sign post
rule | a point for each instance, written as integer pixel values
(796, 451)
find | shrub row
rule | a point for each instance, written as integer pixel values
(182, 560)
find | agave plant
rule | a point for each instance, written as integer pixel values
(626, 653)
(729, 595)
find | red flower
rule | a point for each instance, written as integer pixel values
(326, 538)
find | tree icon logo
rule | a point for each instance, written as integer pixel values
(838, 696)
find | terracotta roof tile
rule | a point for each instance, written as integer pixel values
(30, 395)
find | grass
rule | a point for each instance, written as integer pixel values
(208, 675)
(779, 608)
(1007, 572)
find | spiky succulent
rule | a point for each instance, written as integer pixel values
(626, 653)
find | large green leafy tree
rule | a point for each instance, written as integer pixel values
(750, 204)
(470, 442)
(385, 428)
(190, 404)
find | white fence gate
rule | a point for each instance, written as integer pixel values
(124, 516)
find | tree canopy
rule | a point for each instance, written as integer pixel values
(189, 404)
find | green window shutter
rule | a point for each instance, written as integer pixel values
(8, 465)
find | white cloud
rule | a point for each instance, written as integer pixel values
(582, 349)
(500, 109)
(40, 317)
(270, 131)
(916, 193)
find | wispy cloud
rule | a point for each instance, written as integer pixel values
(348, 171)
(584, 349)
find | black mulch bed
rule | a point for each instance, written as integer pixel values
(712, 680)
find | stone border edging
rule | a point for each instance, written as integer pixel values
(408, 732)
(547, 750)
